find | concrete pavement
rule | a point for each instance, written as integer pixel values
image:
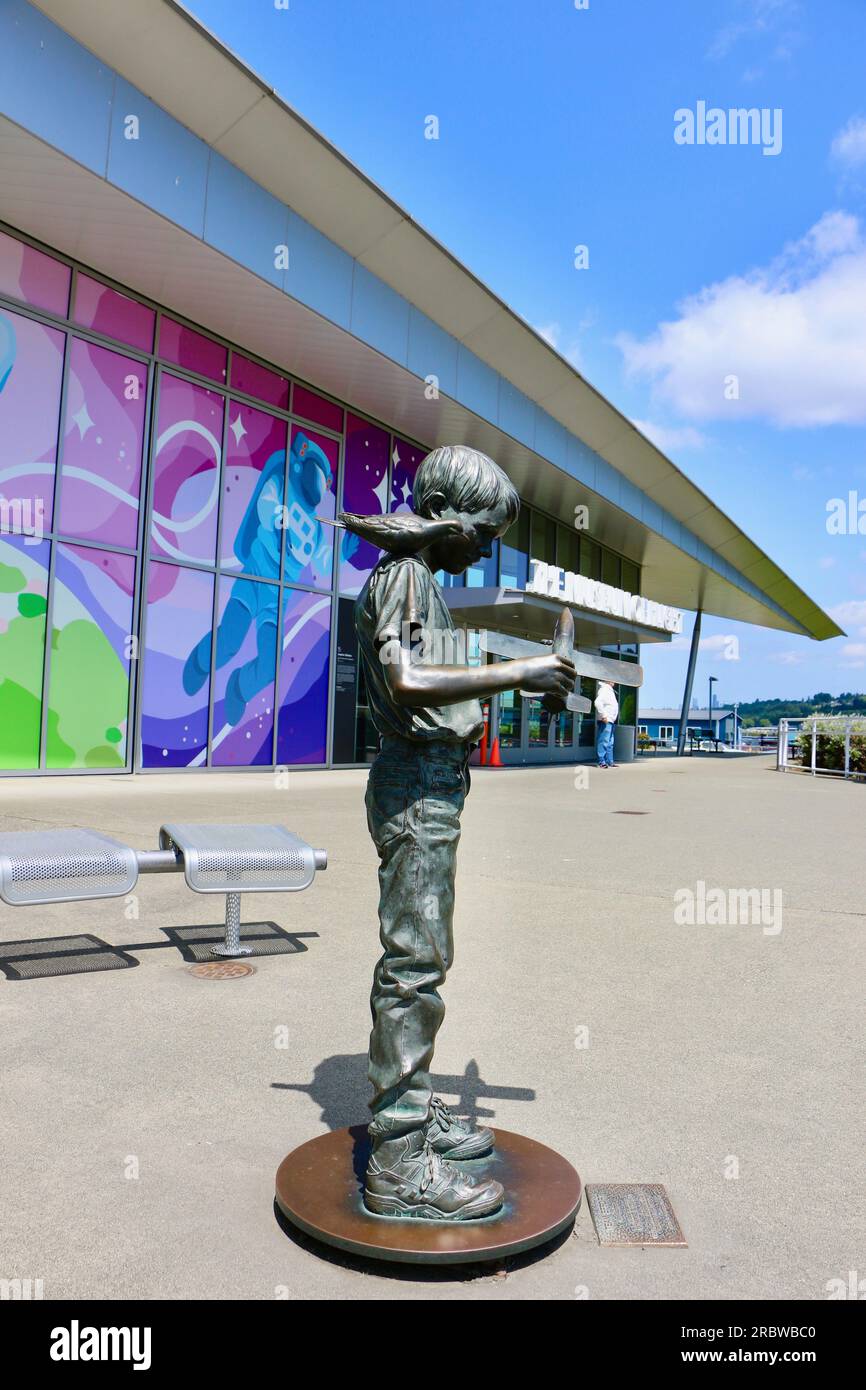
(145, 1111)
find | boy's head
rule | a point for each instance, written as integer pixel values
(455, 482)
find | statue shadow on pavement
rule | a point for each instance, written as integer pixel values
(339, 1080)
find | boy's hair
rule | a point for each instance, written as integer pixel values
(468, 480)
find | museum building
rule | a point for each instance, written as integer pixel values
(215, 334)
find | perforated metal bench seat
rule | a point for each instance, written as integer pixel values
(61, 866)
(54, 866)
(243, 858)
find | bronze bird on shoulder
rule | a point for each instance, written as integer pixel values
(400, 533)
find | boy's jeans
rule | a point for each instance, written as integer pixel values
(415, 795)
(604, 744)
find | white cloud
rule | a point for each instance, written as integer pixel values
(849, 144)
(720, 643)
(793, 334)
(552, 333)
(826, 562)
(761, 18)
(854, 655)
(851, 615)
(671, 437)
(788, 658)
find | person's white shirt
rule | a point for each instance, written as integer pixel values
(606, 703)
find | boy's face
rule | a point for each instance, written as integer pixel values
(480, 530)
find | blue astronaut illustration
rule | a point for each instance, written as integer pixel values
(7, 349)
(257, 547)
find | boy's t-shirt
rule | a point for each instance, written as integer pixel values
(402, 588)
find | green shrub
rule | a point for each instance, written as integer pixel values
(830, 746)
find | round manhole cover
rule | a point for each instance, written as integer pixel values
(222, 970)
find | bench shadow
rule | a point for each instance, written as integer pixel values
(43, 957)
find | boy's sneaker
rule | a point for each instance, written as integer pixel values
(407, 1178)
(453, 1138)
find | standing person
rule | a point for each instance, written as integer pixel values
(607, 710)
(425, 705)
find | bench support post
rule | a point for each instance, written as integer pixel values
(232, 945)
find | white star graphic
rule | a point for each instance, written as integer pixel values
(395, 457)
(237, 429)
(83, 420)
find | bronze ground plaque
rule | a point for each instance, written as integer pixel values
(633, 1213)
(320, 1189)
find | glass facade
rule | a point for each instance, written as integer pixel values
(171, 593)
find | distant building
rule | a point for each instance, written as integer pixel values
(664, 724)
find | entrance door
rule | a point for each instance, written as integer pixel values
(529, 734)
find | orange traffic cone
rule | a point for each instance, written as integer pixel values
(495, 760)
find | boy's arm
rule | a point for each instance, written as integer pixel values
(415, 683)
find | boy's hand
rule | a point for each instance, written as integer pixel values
(548, 675)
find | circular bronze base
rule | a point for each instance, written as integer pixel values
(320, 1186)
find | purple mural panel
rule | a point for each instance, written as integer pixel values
(365, 484)
(176, 677)
(302, 721)
(310, 406)
(191, 350)
(312, 489)
(116, 315)
(100, 476)
(91, 624)
(253, 482)
(253, 380)
(405, 459)
(186, 474)
(23, 589)
(28, 274)
(31, 372)
(246, 658)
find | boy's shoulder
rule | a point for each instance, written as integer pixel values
(398, 573)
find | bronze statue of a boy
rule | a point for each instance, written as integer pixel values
(427, 713)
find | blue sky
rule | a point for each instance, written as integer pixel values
(706, 261)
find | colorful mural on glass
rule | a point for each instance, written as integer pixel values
(100, 476)
(113, 314)
(192, 351)
(277, 479)
(23, 589)
(88, 679)
(302, 721)
(317, 409)
(246, 660)
(31, 371)
(174, 716)
(309, 557)
(253, 482)
(365, 490)
(255, 380)
(30, 275)
(186, 471)
(405, 461)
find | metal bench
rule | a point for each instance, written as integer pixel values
(55, 866)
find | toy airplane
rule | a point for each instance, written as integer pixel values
(600, 668)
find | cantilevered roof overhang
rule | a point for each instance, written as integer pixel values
(521, 614)
(370, 305)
